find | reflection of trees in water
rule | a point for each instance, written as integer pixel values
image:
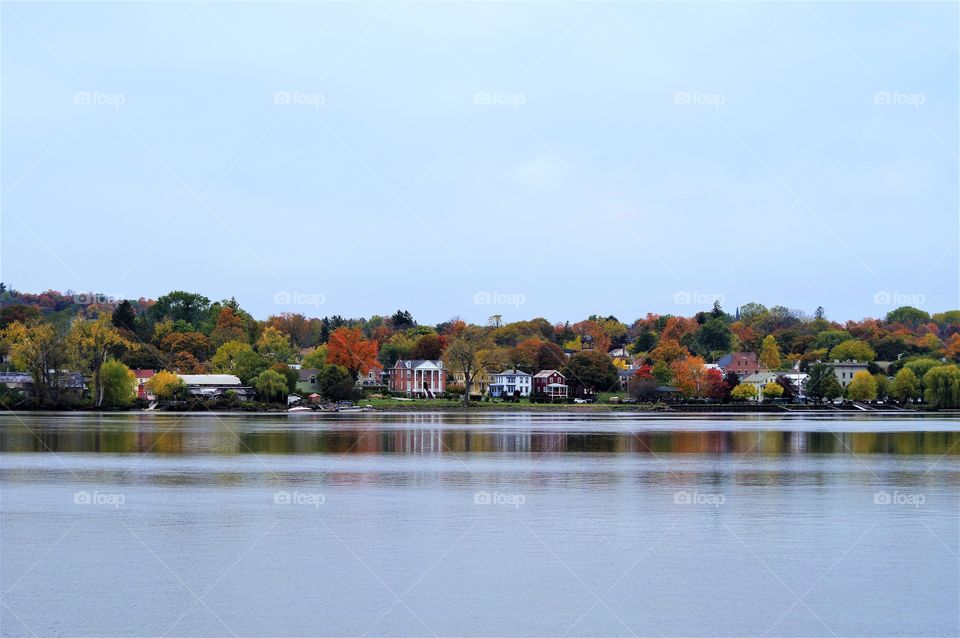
(244, 436)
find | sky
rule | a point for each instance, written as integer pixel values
(472, 159)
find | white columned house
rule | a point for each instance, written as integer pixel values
(418, 377)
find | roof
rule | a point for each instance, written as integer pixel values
(16, 377)
(416, 363)
(210, 379)
(516, 373)
(546, 373)
(304, 374)
(144, 374)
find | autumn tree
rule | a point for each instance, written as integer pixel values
(166, 385)
(772, 390)
(348, 348)
(90, 342)
(428, 346)
(770, 353)
(38, 349)
(744, 392)
(196, 343)
(274, 346)
(228, 327)
(689, 376)
(470, 352)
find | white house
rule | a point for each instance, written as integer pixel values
(508, 382)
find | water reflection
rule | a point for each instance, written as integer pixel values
(436, 435)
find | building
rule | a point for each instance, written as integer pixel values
(17, 380)
(741, 363)
(307, 381)
(844, 370)
(479, 385)
(551, 383)
(370, 380)
(140, 382)
(509, 382)
(797, 379)
(208, 386)
(418, 377)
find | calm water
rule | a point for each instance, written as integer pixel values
(490, 525)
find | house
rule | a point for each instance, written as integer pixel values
(844, 370)
(17, 380)
(741, 363)
(797, 379)
(140, 383)
(509, 382)
(208, 386)
(307, 381)
(418, 377)
(371, 379)
(479, 385)
(551, 383)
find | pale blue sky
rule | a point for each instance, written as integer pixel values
(553, 159)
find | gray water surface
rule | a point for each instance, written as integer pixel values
(478, 525)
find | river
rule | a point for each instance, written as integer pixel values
(444, 524)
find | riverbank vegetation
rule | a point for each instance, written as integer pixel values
(54, 338)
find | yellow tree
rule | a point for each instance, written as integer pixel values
(770, 353)
(165, 385)
(90, 342)
(274, 345)
(863, 387)
(37, 349)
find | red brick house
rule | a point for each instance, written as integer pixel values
(551, 383)
(418, 377)
(742, 363)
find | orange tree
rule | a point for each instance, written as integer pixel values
(349, 349)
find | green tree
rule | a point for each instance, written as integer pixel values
(119, 384)
(274, 345)
(714, 335)
(830, 338)
(593, 370)
(124, 316)
(942, 386)
(770, 353)
(335, 383)
(822, 383)
(908, 316)
(852, 349)
(316, 359)
(238, 358)
(863, 387)
(271, 386)
(906, 386)
(179, 305)
(662, 373)
(287, 373)
(469, 353)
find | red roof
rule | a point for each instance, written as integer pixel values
(144, 374)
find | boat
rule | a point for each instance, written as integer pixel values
(299, 408)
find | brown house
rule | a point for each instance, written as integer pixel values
(742, 363)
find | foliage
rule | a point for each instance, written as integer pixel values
(238, 358)
(271, 386)
(316, 359)
(229, 327)
(772, 390)
(906, 386)
(166, 385)
(593, 370)
(942, 386)
(852, 349)
(119, 384)
(770, 353)
(427, 347)
(90, 342)
(744, 392)
(274, 346)
(822, 383)
(863, 387)
(335, 382)
(347, 347)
